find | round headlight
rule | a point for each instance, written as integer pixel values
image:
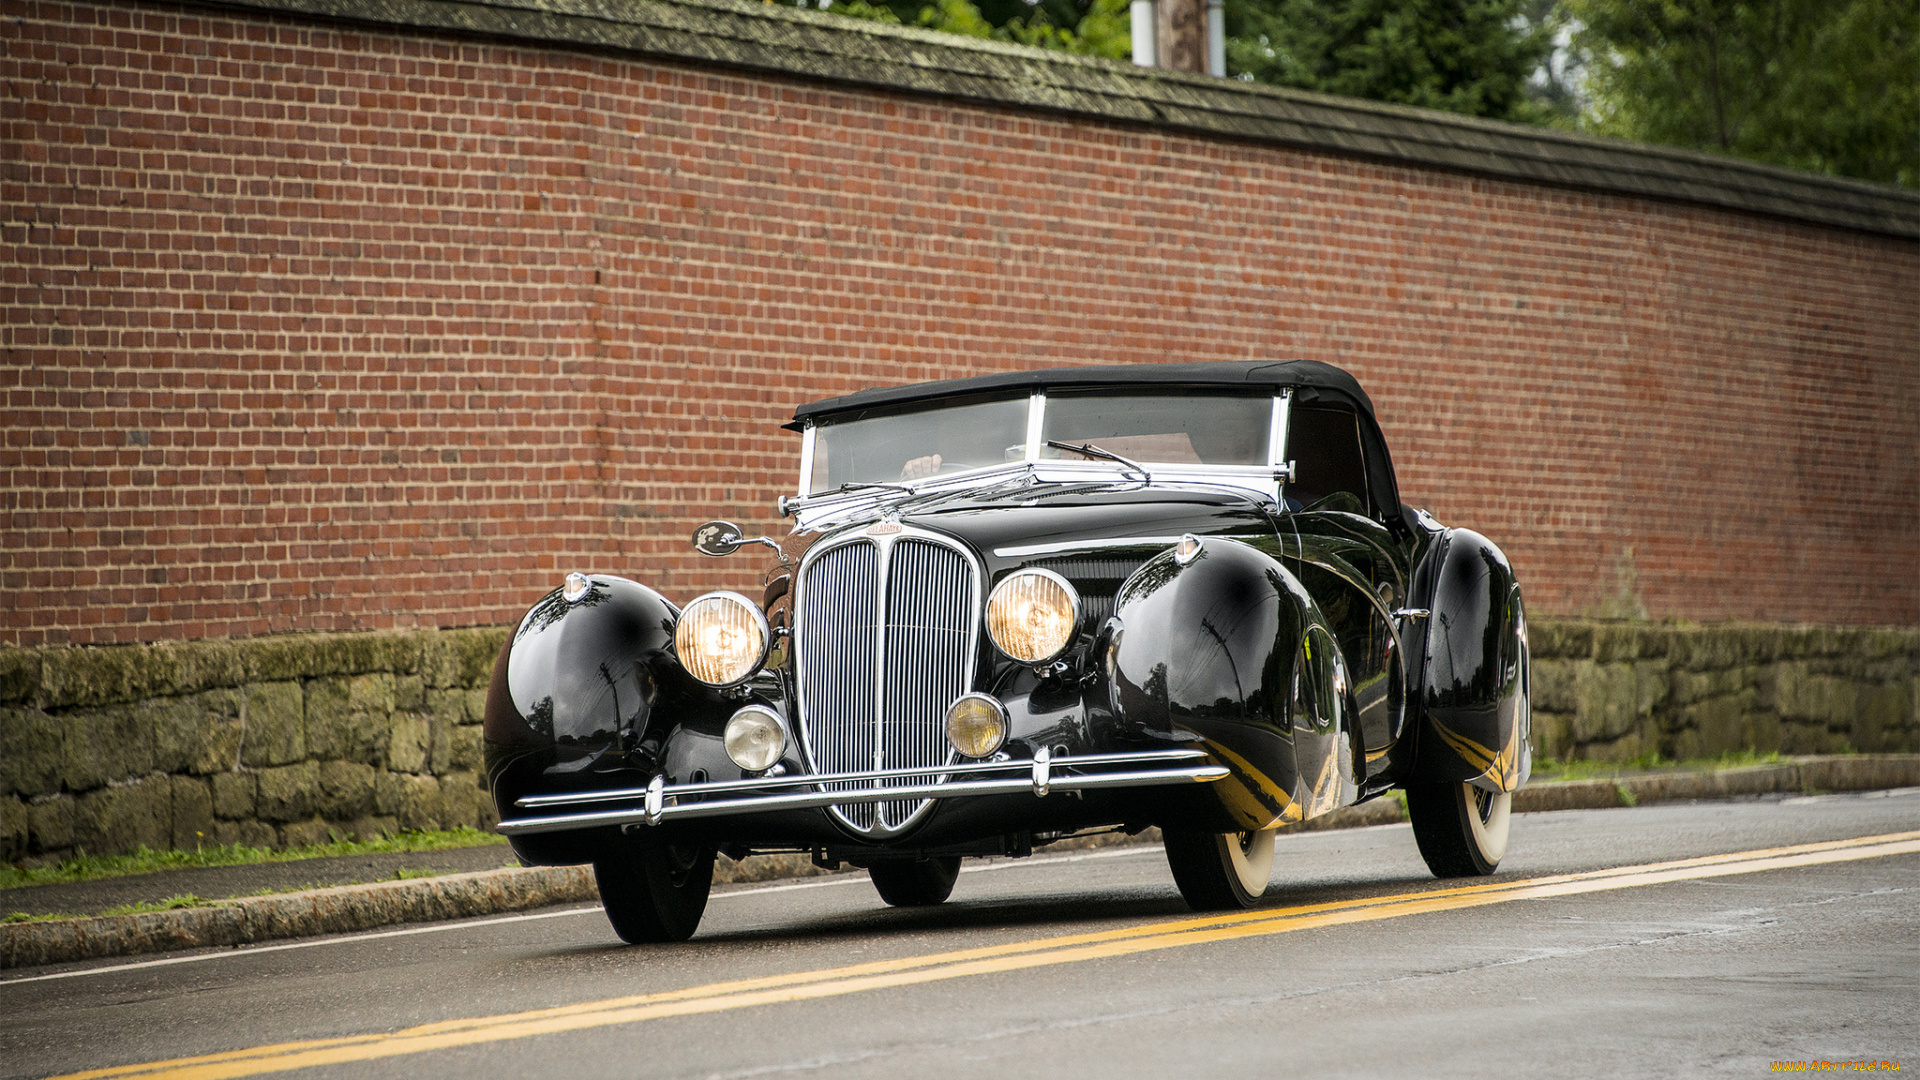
(721, 638)
(1031, 615)
(755, 739)
(976, 725)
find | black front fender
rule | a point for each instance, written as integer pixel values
(1211, 652)
(582, 693)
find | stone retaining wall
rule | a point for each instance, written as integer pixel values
(273, 741)
(287, 740)
(1614, 691)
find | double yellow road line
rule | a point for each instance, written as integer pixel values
(993, 959)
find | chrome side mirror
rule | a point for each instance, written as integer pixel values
(718, 538)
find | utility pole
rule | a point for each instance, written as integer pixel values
(1181, 35)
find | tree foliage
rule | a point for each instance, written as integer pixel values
(1091, 27)
(1828, 85)
(1466, 56)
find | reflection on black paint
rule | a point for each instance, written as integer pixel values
(540, 717)
(1476, 654)
(1468, 635)
(1149, 579)
(582, 673)
(554, 607)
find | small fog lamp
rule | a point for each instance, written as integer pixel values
(755, 738)
(976, 725)
(721, 639)
(1032, 614)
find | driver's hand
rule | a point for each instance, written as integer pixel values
(920, 466)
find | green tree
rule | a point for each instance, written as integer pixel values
(1827, 85)
(1466, 56)
(1554, 85)
(1091, 27)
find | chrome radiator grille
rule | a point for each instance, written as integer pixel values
(878, 666)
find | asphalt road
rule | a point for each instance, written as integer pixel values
(1580, 958)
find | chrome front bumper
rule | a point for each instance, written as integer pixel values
(660, 801)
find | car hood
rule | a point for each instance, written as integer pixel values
(1008, 525)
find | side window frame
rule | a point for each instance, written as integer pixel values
(1357, 464)
(1383, 488)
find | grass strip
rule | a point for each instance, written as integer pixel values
(189, 900)
(145, 860)
(184, 900)
(1547, 770)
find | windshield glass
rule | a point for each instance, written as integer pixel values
(887, 449)
(1173, 427)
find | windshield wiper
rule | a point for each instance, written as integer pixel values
(871, 487)
(789, 503)
(1093, 451)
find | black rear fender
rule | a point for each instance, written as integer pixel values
(1475, 686)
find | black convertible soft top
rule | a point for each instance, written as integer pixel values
(1306, 375)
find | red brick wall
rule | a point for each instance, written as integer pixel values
(317, 328)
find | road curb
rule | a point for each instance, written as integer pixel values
(353, 908)
(343, 909)
(1862, 772)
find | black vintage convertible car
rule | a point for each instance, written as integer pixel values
(1022, 607)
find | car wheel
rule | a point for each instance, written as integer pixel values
(917, 882)
(1461, 829)
(655, 892)
(1220, 871)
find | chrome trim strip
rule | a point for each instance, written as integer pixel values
(1021, 551)
(882, 594)
(715, 787)
(1277, 429)
(806, 464)
(1036, 419)
(1196, 774)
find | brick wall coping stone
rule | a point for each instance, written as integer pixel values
(351, 908)
(817, 46)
